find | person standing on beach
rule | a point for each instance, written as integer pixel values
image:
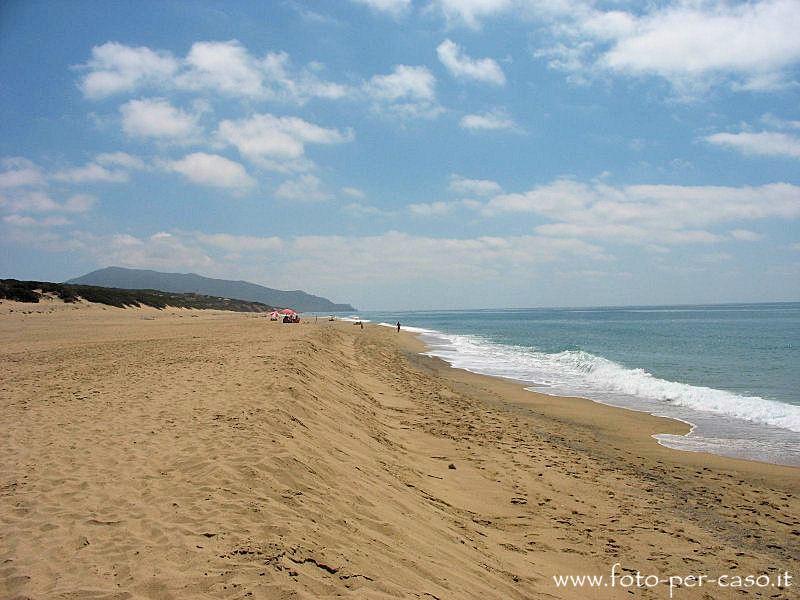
(398, 327)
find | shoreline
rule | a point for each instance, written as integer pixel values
(636, 420)
(747, 448)
(195, 454)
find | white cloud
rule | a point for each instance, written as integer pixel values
(462, 66)
(470, 12)
(647, 214)
(161, 250)
(713, 257)
(19, 220)
(440, 208)
(156, 118)
(625, 233)
(778, 123)
(212, 170)
(763, 143)
(306, 188)
(405, 82)
(109, 167)
(405, 92)
(115, 68)
(327, 262)
(692, 44)
(40, 202)
(290, 85)
(277, 143)
(223, 66)
(750, 40)
(431, 209)
(359, 209)
(491, 121)
(574, 59)
(354, 192)
(395, 256)
(241, 243)
(745, 235)
(227, 68)
(90, 173)
(392, 7)
(20, 172)
(31, 202)
(120, 159)
(26, 221)
(480, 187)
(79, 203)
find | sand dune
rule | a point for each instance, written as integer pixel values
(200, 454)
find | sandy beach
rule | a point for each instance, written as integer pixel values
(204, 454)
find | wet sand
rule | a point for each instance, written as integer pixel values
(203, 454)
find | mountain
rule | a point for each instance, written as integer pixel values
(141, 279)
(32, 291)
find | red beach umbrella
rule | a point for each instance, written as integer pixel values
(287, 311)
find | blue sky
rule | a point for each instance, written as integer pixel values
(401, 154)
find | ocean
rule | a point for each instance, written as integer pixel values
(731, 371)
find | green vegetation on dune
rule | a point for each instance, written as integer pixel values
(32, 291)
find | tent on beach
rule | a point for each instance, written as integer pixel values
(289, 315)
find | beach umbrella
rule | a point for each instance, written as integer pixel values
(287, 311)
(274, 314)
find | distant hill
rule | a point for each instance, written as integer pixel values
(136, 279)
(32, 291)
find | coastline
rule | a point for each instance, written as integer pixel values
(636, 426)
(182, 454)
(737, 425)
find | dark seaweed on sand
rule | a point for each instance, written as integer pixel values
(32, 291)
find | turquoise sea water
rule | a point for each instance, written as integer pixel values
(733, 371)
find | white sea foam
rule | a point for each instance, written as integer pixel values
(757, 449)
(581, 373)
(353, 319)
(417, 330)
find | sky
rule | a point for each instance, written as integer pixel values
(409, 154)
